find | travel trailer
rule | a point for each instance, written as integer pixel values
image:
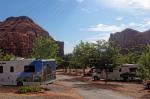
(27, 72)
(123, 72)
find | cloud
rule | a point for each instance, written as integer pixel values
(99, 37)
(66, 42)
(68, 49)
(104, 28)
(119, 18)
(142, 26)
(128, 4)
(147, 21)
(93, 39)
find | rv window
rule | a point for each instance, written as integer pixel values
(1, 69)
(111, 70)
(29, 69)
(120, 70)
(133, 69)
(11, 69)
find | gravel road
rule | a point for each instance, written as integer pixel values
(88, 91)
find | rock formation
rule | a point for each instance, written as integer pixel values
(17, 35)
(130, 39)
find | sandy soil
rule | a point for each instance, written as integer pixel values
(88, 90)
(56, 91)
(135, 90)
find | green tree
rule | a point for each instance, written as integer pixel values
(65, 62)
(105, 56)
(59, 61)
(8, 57)
(131, 57)
(44, 48)
(82, 53)
(121, 59)
(144, 62)
(99, 54)
(1, 54)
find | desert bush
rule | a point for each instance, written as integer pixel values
(28, 89)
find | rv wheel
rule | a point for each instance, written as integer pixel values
(95, 78)
(19, 83)
(148, 85)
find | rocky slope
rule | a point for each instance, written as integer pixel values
(17, 35)
(131, 39)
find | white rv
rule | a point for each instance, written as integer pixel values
(27, 72)
(123, 72)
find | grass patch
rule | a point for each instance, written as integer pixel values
(29, 89)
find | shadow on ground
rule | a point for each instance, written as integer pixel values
(96, 86)
(146, 96)
(90, 86)
(69, 80)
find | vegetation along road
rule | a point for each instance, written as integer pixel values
(88, 91)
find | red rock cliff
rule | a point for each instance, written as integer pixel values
(130, 39)
(17, 35)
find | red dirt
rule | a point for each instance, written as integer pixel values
(138, 91)
(57, 91)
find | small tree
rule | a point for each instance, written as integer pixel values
(67, 62)
(44, 48)
(144, 68)
(105, 56)
(1, 54)
(82, 53)
(6, 56)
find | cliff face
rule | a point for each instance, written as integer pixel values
(17, 35)
(131, 39)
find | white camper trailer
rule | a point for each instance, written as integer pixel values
(125, 71)
(27, 72)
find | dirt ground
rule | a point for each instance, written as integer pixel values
(60, 91)
(56, 91)
(88, 90)
(136, 90)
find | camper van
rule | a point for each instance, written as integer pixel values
(124, 72)
(27, 72)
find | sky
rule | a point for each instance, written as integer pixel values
(74, 20)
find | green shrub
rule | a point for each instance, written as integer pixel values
(28, 89)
